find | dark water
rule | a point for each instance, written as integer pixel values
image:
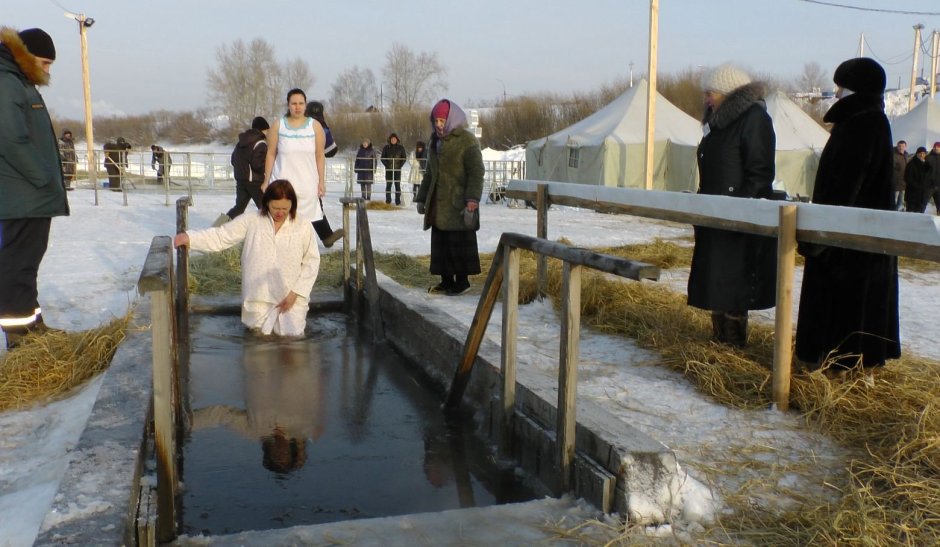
(323, 429)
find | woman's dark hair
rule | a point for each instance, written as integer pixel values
(279, 189)
(295, 91)
(315, 110)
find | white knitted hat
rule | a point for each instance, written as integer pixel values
(725, 78)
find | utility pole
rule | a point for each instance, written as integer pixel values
(631, 74)
(935, 43)
(651, 91)
(861, 44)
(910, 99)
(84, 23)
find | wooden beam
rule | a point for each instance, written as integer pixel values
(508, 356)
(542, 204)
(568, 371)
(783, 317)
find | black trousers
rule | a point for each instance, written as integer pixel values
(393, 176)
(23, 243)
(114, 175)
(245, 191)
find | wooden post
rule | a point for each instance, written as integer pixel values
(347, 301)
(181, 286)
(508, 363)
(651, 92)
(372, 284)
(89, 124)
(541, 227)
(481, 319)
(568, 372)
(156, 280)
(783, 322)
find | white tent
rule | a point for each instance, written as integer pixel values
(800, 141)
(608, 147)
(920, 126)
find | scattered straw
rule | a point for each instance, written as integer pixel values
(46, 367)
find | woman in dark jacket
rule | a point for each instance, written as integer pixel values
(733, 272)
(393, 158)
(365, 168)
(918, 180)
(849, 300)
(449, 199)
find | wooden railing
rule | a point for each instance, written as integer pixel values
(503, 280)
(366, 282)
(886, 232)
(156, 280)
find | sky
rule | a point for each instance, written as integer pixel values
(145, 57)
(82, 287)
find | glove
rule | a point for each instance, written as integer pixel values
(420, 208)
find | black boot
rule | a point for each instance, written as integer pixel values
(446, 285)
(325, 233)
(736, 329)
(14, 335)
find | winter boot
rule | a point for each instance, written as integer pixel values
(220, 220)
(736, 329)
(325, 233)
(14, 336)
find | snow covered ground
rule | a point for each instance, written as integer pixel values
(90, 272)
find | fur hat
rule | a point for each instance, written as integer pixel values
(260, 123)
(921, 149)
(861, 75)
(725, 78)
(441, 110)
(38, 43)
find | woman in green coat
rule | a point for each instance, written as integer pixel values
(449, 198)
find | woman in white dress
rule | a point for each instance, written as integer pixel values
(280, 260)
(295, 153)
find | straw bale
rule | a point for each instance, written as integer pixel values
(46, 367)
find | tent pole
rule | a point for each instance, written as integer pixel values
(651, 92)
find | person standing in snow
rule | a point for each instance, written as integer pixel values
(280, 260)
(322, 227)
(296, 153)
(918, 183)
(115, 162)
(161, 161)
(393, 158)
(449, 198)
(900, 160)
(733, 272)
(248, 168)
(32, 189)
(418, 165)
(933, 159)
(365, 168)
(67, 153)
(849, 300)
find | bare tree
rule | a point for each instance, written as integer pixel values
(353, 91)
(412, 79)
(813, 77)
(248, 81)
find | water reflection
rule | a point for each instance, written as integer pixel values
(284, 398)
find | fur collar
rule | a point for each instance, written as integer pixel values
(735, 104)
(855, 103)
(25, 60)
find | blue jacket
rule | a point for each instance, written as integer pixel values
(31, 181)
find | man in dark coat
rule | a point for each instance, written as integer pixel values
(849, 300)
(733, 272)
(115, 162)
(918, 183)
(393, 158)
(248, 168)
(900, 159)
(933, 159)
(160, 160)
(32, 189)
(67, 152)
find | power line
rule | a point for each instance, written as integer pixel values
(879, 10)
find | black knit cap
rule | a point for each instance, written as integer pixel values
(260, 123)
(38, 43)
(861, 75)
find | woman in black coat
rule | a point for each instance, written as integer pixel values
(849, 300)
(918, 180)
(365, 168)
(733, 272)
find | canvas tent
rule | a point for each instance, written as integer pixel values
(608, 147)
(800, 141)
(920, 126)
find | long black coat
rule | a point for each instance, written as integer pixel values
(849, 299)
(918, 178)
(734, 271)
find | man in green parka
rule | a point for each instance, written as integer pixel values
(449, 198)
(32, 188)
